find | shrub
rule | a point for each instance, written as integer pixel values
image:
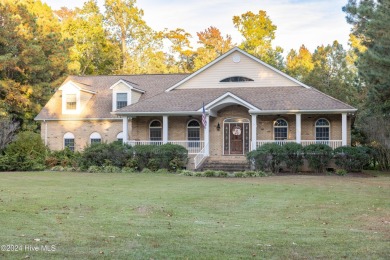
(209, 173)
(95, 169)
(163, 171)
(187, 173)
(198, 174)
(64, 158)
(26, 153)
(146, 170)
(103, 154)
(128, 170)
(250, 173)
(221, 174)
(266, 157)
(318, 156)
(351, 158)
(293, 156)
(168, 156)
(111, 169)
(341, 172)
(239, 175)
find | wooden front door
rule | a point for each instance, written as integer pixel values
(236, 139)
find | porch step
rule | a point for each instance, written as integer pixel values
(232, 165)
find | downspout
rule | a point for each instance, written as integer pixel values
(44, 121)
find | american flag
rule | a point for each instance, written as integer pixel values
(204, 121)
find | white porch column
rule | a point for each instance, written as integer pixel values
(298, 128)
(125, 129)
(254, 132)
(344, 128)
(165, 129)
(207, 136)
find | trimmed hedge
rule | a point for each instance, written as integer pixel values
(266, 157)
(352, 158)
(318, 156)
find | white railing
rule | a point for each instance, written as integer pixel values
(280, 142)
(144, 142)
(193, 147)
(332, 143)
(198, 159)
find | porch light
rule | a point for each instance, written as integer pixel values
(218, 126)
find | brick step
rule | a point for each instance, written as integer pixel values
(230, 166)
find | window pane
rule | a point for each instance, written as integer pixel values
(155, 134)
(281, 133)
(121, 100)
(71, 101)
(69, 143)
(322, 133)
(96, 140)
(155, 123)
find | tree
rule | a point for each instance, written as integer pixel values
(8, 129)
(259, 32)
(181, 59)
(299, 65)
(32, 57)
(371, 25)
(212, 46)
(92, 52)
(126, 25)
(331, 73)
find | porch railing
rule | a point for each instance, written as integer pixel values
(198, 159)
(332, 143)
(193, 147)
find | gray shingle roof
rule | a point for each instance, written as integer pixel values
(155, 99)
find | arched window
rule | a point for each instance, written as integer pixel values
(193, 133)
(280, 129)
(69, 141)
(236, 79)
(95, 138)
(155, 130)
(119, 137)
(322, 129)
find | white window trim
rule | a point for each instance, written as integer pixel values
(315, 129)
(68, 135)
(95, 135)
(198, 127)
(273, 127)
(114, 98)
(66, 111)
(155, 127)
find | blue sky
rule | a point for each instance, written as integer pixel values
(309, 22)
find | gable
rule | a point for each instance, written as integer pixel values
(236, 63)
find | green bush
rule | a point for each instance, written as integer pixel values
(318, 156)
(95, 169)
(341, 172)
(187, 173)
(26, 153)
(128, 170)
(103, 154)
(209, 173)
(266, 157)
(64, 158)
(293, 156)
(220, 174)
(167, 156)
(351, 158)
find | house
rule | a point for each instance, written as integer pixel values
(245, 103)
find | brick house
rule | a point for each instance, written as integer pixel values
(246, 103)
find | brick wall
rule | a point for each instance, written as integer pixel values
(108, 129)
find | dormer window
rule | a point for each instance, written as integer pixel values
(71, 101)
(236, 79)
(121, 100)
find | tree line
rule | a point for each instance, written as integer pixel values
(39, 47)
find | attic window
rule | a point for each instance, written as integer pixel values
(236, 79)
(71, 101)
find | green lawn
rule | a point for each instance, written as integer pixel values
(155, 216)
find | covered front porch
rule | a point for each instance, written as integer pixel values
(234, 131)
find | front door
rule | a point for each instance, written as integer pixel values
(236, 139)
(236, 136)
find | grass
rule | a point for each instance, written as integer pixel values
(163, 216)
